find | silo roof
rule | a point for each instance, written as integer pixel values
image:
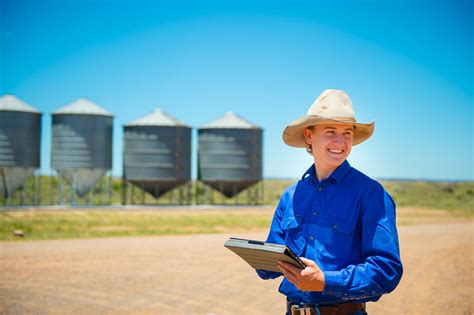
(9, 102)
(157, 118)
(83, 106)
(230, 121)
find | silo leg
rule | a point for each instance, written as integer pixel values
(188, 191)
(38, 190)
(89, 197)
(22, 194)
(110, 189)
(60, 190)
(4, 183)
(51, 189)
(124, 191)
(73, 195)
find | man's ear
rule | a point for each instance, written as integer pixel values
(307, 136)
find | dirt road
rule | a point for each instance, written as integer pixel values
(197, 275)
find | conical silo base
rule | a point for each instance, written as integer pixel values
(82, 180)
(230, 189)
(157, 188)
(11, 178)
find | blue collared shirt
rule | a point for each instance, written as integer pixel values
(346, 224)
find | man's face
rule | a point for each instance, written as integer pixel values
(330, 143)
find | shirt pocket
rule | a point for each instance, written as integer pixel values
(293, 233)
(336, 240)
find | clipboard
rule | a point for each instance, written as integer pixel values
(262, 255)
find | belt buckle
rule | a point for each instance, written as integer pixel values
(300, 310)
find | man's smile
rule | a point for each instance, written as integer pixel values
(336, 151)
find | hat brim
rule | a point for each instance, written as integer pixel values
(293, 133)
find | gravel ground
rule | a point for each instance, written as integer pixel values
(197, 275)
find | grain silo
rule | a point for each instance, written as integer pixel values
(20, 131)
(157, 153)
(230, 154)
(82, 144)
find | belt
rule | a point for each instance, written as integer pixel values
(314, 309)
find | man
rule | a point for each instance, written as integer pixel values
(341, 222)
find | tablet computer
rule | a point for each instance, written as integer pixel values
(262, 255)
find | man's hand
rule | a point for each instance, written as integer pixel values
(309, 279)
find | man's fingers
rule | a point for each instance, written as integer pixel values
(309, 279)
(292, 278)
(290, 272)
(289, 267)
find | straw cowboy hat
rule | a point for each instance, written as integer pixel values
(331, 107)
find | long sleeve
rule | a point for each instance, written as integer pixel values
(275, 236)
(381, 268)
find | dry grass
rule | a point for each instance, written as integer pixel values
(93, 223)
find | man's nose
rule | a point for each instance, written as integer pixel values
(339, 138)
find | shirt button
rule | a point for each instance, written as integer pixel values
(315, 213)
(320, 188)
(335, 226)
(311, 237)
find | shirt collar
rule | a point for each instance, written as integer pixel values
(338, 175)
(341, 171)
(310, 173)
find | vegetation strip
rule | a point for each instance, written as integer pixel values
(37, 225)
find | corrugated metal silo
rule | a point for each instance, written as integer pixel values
(230, 154)
(82, 144)
(20, 133)
(157, 152)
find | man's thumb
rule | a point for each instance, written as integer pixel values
(308, 262)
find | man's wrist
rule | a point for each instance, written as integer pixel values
(333, 282)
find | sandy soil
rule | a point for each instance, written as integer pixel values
(197, 275)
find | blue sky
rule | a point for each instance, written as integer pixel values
(406, 64)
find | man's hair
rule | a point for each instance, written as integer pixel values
(309, 148)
